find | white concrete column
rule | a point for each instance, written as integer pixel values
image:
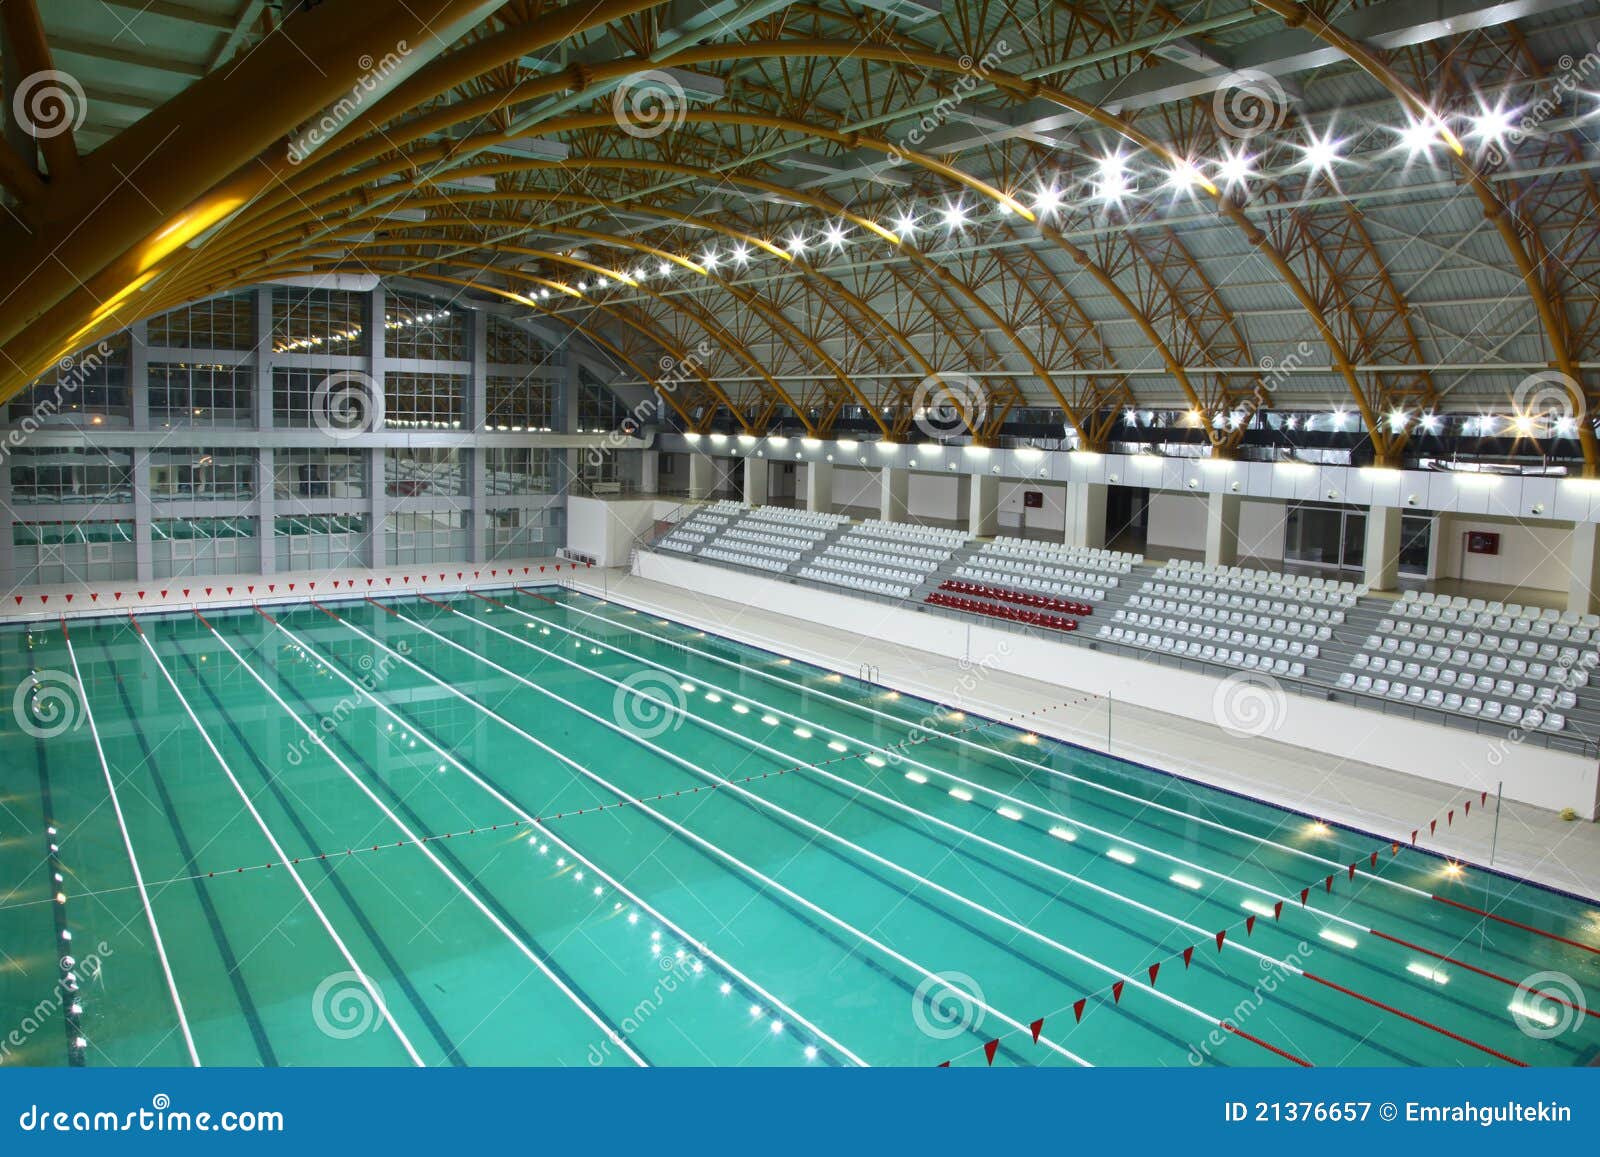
(1222, 530)
(266, 510)
(702, 476)
(1583, 589)
(983, 506)
(143, 512)
(819, 487)
(650, 471)
(1381, 559)
(1085, 514)
(377, 510)
(895, 484)
(755, 481)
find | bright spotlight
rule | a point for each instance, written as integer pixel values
(1320, 154)
(1492, 124)
(1236, 167)
(1419, 136)
(955, 216)
(1047, 200)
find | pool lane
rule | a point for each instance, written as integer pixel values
(1292, 851)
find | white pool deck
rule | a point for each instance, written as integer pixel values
(1527, 842)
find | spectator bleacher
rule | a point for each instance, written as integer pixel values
(1480, 663)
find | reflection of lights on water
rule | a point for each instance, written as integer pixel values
(1428, 972)
(1540, 1016)
(1184, 880)
(1009, 813)
(1066, 834)
(1338, 938)
(961, 794)
(1121, 856)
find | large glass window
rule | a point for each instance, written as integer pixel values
(201, 395)
(325, 321)
(223, 323)
(62, 552)
(320, 542)
(202, 474)
(426, 536)
(419, 327)
(511, 532)
(599, 411)
(90, 388)
(319, 473)
(424, 401)
(417, 471)
(197, 547)
(339, 401)
(71, 475)
(519, 404)
(511, 345)
(517, 470)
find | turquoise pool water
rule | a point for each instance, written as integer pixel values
(537, 828)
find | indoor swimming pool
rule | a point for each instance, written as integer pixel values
(531, 827)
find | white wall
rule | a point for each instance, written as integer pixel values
(605, 531)
(1534, 556)
(1261, 530)
(1177, 521)
(1544, 778)
(1050, 519)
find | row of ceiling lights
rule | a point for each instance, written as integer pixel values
(1113, 181)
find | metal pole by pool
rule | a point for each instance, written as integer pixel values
(1494, 840)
